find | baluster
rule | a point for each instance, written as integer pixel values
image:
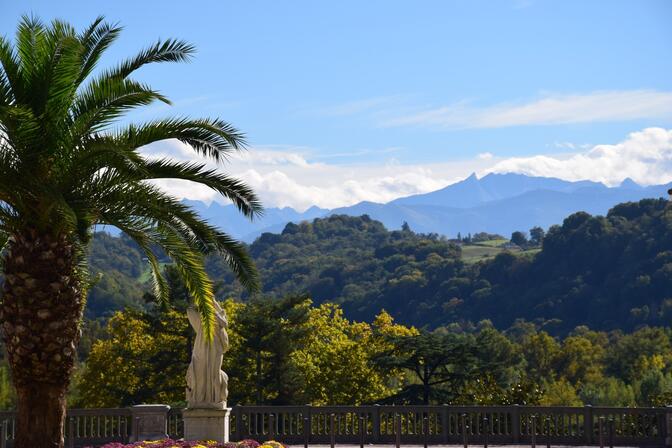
(71, 439)
(361, 431)
(445, 430)
(136, 428)
(332, 430)
(306, 431)
(425, 430)
(397, 429)
(3, 434)
(533, 425)
(464, 430)
(611, 432)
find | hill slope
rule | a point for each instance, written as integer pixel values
(611, 271)
(607, 272)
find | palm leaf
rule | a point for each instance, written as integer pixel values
(96, 39)
(212, 138)
(170, 50)
(239, 193)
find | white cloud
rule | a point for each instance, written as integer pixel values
(554, 109)
(286, 176)
(644, 156)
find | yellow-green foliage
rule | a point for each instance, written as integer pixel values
(336, 358)
(560, 393)
(333, 363)
(121, 370)
(292, 352)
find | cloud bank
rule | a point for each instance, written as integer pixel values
(644, 156)
(289, 177)
(554, 109)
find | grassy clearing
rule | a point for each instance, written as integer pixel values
(475, 253)
(146, 276)
(491, 243)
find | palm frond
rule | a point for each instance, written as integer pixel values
(60, 72)
(140, 230)
(191, 266)
(100, 152)
(149, 202)
(239, 193)
(210, 137)
(171, 50)
(96, 39)
(29, 35)
(105, 100)
(23, 129)
(188, 261)
(6, 97)
(239, 261)
(10, 63)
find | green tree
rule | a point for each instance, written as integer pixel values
(537, 235)
(335, 360)
(498, 356)
(607, 391)
(560, 393)
(540, 351)
(654, 388)
(519, 238)
(65, 168)
(271, 330)
(580, 360)
(441, 362)
(142, 361)
(638, 352)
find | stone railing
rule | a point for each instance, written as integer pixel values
(434, 425)
(92, 427)
(400, 425)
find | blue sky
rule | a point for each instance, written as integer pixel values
(352, 100)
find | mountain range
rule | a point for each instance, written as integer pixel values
(495, 203)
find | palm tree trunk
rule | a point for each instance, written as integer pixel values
(41, 309)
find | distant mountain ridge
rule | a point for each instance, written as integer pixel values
(229, 219)
(495, 203)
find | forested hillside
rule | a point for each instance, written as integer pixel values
(605, 272)
(117, 266)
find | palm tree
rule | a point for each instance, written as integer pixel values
(63, 170)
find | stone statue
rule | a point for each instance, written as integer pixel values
(206, 382)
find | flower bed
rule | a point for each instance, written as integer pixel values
(169, 443)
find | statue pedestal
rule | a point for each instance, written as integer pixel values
(206, 424)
